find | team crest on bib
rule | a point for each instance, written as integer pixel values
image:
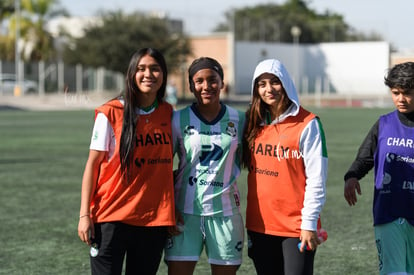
(231, 130)
(189, 130)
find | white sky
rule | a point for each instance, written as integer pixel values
(392, 19)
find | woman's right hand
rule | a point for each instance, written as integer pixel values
(86, 230)
(351, 188)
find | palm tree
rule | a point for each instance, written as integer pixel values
(6, 8)
(36, 43)
(6, 42)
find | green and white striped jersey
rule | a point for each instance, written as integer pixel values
(209, 161)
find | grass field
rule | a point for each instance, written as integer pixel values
(42, 156)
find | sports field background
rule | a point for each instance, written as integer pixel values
(42, 156)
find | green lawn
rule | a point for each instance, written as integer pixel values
(42, 156)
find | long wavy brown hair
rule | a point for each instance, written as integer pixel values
(255, 116)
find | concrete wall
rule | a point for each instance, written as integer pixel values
(334, 68)
(351, 68)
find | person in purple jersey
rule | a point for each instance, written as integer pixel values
(389, 149)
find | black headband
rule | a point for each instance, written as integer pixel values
(204, 63)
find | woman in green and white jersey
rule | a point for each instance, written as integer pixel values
(207, 137)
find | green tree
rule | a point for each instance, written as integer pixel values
(37, 43)
(112, 43)
(35, 15)
(273, 22)
(6, 42)
(6, 8)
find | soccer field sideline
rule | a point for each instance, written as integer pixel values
(55, 102)
(42, 159)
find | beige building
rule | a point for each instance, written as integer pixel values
(397, 58)
(218, 46)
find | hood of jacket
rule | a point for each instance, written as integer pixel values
(275, 67)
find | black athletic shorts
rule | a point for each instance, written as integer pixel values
(278, 255)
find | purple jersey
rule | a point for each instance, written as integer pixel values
(394, 171)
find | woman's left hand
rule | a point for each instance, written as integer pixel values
(309, 239)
